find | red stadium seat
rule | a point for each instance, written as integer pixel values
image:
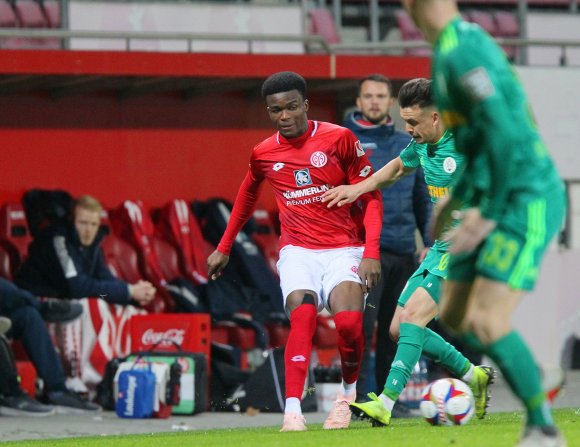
(7, 15)
(485, 20)
(266, 238)
(52, 13)
(14, 233)
(410, 32)
(508, 26)
(322, 24)
(30, 14)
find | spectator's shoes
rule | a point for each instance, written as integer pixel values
(483, 376)
(542, 437)
(67, 402)
(5, 325)
(293, 422)
(23, 405)
(54, 310)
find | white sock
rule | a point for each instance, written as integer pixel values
(293, 405)
(347, 389)
(387, 401)
(468, 376)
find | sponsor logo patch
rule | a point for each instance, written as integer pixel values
(477, 83)
(449, 165)
(302, 177)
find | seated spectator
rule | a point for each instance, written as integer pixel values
(24, 311)
(66, 261)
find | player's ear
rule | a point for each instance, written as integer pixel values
(306, 105)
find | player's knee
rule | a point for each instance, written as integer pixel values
(348, 329)
(394, 332)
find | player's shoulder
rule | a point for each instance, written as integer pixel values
(327, 129)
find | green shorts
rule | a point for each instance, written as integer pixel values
(429, 275)
(512, 253)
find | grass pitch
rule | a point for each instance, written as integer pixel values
(497, 430)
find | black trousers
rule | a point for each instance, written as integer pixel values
(380, 308)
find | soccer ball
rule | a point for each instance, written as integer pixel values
(447, 402)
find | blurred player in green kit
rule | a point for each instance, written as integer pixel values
(432, 148)
(511, 198)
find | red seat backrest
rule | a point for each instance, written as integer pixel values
(14, 233)
(485, 20)
(410, 32)
(322, 24)
(266, 238)
(52, 13)
(177, 225)
(30, 14)
(130, 222)
(7, 15)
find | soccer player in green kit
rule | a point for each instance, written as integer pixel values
(432, 148)
(511, 196)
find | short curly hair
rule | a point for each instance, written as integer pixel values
(284, 81)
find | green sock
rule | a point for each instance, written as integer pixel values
(444, 353)
(408, 353)
(514, 359)
(473, 342)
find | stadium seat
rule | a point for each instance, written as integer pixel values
(507, 26)
(322, 24)
(30, 14)
(7, 15)
(266, 238)
(410, 32)
(14, 234)
(176, 224)
(51, 9)
(483, 19)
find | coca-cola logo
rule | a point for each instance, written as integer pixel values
(150, 337)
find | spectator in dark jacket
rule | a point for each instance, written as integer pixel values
(24, 309)
(66, 261)
(407, 207)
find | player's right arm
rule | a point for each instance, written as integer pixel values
(383, 178)
(244, 206)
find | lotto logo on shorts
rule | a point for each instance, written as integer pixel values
(302, 177)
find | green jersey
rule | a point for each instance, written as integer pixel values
(481, 100)
(441, 163)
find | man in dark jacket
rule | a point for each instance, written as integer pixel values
(407, 207)
(66, 261)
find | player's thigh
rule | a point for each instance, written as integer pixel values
(299, 269)
(425, 280)
(491, 306)
(454, 303)
(421, 308)
(341, 285)
(513, 252)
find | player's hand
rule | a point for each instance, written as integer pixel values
(216, 263)
(474, 228)
(369, 272)
(423, 254)
(340, 195)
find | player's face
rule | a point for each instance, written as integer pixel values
(87, 225)
(287, 111)
(374, 101)
(421, 123)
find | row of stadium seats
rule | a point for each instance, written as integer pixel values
(498, 24)
(31, 14)
(162, 245)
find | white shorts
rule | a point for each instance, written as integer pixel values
(318, 270)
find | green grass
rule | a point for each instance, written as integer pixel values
(497, 430)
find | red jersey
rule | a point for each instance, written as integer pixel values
(300, 170)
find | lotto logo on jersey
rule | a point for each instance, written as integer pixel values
(302, 177)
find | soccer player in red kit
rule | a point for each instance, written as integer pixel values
(324, 262)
